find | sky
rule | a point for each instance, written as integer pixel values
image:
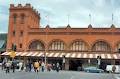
(76, 13)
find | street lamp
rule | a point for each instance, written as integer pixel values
(46, 44)
(45, 48)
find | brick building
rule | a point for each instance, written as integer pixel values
(80, 46)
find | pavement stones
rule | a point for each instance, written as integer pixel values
(55, 75)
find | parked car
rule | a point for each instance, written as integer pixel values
(93, 70)
(0, 64)
(109, 68)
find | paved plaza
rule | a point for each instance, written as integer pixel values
(55, 75)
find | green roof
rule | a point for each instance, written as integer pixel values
(3, 41)
(3, 36)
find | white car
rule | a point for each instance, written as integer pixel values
(109, 68)
(0, 64)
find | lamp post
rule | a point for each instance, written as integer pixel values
(45, 47)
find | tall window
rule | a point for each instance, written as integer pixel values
(20, 45)
(15, 18)
(101, 46)
(79, 46)
(22, 18)
(36, 45)
(21, 33)
(57, 45)
(14, 33)
(118, 47)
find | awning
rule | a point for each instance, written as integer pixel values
(68, 55)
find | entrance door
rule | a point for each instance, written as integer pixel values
(75, 65)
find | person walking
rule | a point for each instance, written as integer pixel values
(13, 66)
(49, 67)
(8, 66)
(20, 65)
(57, 67)
(53, 66)
(27, 66)
(36, 66)
(3, 65)
(30, 66)
(43, 66)
(113, 68)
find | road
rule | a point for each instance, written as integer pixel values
(55, 75)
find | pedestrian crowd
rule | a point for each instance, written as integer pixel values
(28, 66)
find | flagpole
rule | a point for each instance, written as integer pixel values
(68, 17)
(112, 18)
(47, 17)
(45, 46)
(90, 18)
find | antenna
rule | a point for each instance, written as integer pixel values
(112, 18)
(20, 2)
(68, 16)
(90, 18)
(48, 20)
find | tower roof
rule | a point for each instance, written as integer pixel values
(24, 7)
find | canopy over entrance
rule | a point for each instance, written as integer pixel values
(68, 55)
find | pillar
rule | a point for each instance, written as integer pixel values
(67, 64)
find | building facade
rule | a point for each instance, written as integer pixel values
(78, 45)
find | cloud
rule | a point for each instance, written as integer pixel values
(79, 10)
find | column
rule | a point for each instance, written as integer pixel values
(67, 64)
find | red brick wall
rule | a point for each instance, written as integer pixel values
(68, 35)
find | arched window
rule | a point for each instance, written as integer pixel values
(14, 18)
(101, 46)
(36, 45)
(57, 45)
(118, 47)
(79, 45)
(22, 18)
